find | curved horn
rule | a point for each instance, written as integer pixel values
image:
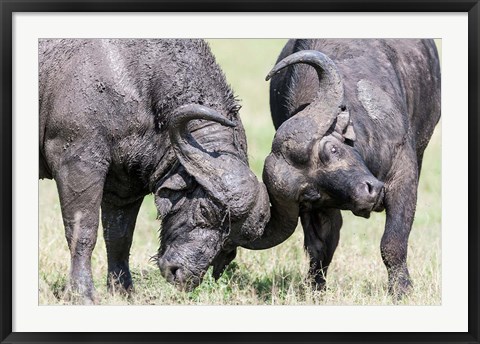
(330, 96)
(198, 163)
(284, 209)
(181, 116)
(225, 177)
(327, 71)
(284, 184)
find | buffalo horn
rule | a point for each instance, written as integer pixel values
(225, 177)
(330, 96)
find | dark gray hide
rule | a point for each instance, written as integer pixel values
(122, 118)
(353, 118)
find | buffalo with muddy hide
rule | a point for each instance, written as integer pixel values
(352, 119)
(123, 118)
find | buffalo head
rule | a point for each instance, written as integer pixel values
(209, 203)
(314, 162)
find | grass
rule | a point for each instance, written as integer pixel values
(276, 276)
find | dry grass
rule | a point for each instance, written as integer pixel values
(276, 276)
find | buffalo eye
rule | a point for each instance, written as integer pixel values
(330, 151)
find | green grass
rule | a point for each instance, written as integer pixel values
(276, 276)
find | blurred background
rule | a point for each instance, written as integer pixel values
(276, 276)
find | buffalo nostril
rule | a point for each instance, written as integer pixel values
(169, 271)
(369, 188)
(173, 269)
(373, 189)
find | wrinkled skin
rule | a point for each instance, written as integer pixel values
(352, 124)
(123, 118)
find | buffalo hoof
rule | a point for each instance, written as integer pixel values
(80, 295)
(318, 283)
(400, 288)
(120, 282)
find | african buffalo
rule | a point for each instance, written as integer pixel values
(351, 133)
(123, 118)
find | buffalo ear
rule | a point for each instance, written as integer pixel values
(344, 126)
(170, 190)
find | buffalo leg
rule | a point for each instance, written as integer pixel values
(321, 234)
(80, 187)
(118, 226)
(400, 203)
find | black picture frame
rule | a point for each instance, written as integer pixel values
(9, 7)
